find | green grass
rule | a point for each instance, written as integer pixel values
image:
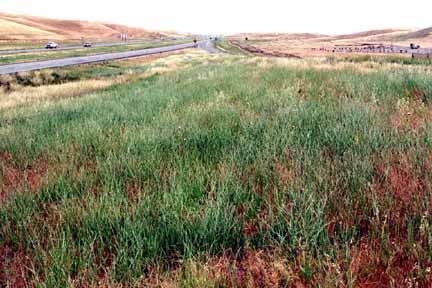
(38, 56)
(387, 59)
(221, 159)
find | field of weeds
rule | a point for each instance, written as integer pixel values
(221, 171)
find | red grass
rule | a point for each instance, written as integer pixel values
(14, 268)
(15, 180)
(395, 180)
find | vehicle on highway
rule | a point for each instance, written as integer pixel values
(87, 45)
(51, 45)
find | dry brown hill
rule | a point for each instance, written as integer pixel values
(395, 36)
(369, 34)
(423, 33)
(270, 36)
(403, 37)
(22, 27)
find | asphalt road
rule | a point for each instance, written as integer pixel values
(209, 47)
(31, 66)
(72, 47)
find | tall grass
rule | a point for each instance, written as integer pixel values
(318, 170)
(387, 59)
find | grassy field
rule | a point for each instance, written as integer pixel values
(203, 170)
(394, 59)
(48, 55)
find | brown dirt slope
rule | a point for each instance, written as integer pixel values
(368, 34)
(269, 36)
(394, 36)
(423, 33)
(21, 27)
(284, 42)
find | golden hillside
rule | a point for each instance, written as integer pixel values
(285, 41)
(21, 27)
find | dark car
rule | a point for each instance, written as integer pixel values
(87, 45)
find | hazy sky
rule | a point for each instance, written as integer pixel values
(232, 16)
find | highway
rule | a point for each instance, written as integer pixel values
(209, 47)
(72, 47)
(31, 66)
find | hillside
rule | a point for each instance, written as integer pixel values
(423, 33)
(21, 27)
(273, 36)
(394, 36)
(369, 34)
(292, 41)
(422, 37)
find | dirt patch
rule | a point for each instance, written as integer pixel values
(259, 51)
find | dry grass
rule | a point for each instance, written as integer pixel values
(48, 94)
(9, 27)
(301, 44)
(331, 64)
(35, 95)
(22, 27)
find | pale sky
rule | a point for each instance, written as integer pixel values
(233, 16)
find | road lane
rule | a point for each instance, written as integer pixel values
(31, 66)
(72, 47)
(209, 47)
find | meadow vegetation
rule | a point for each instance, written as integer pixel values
(220, 171)
(393, 59)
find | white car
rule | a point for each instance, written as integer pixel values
(51, 45)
